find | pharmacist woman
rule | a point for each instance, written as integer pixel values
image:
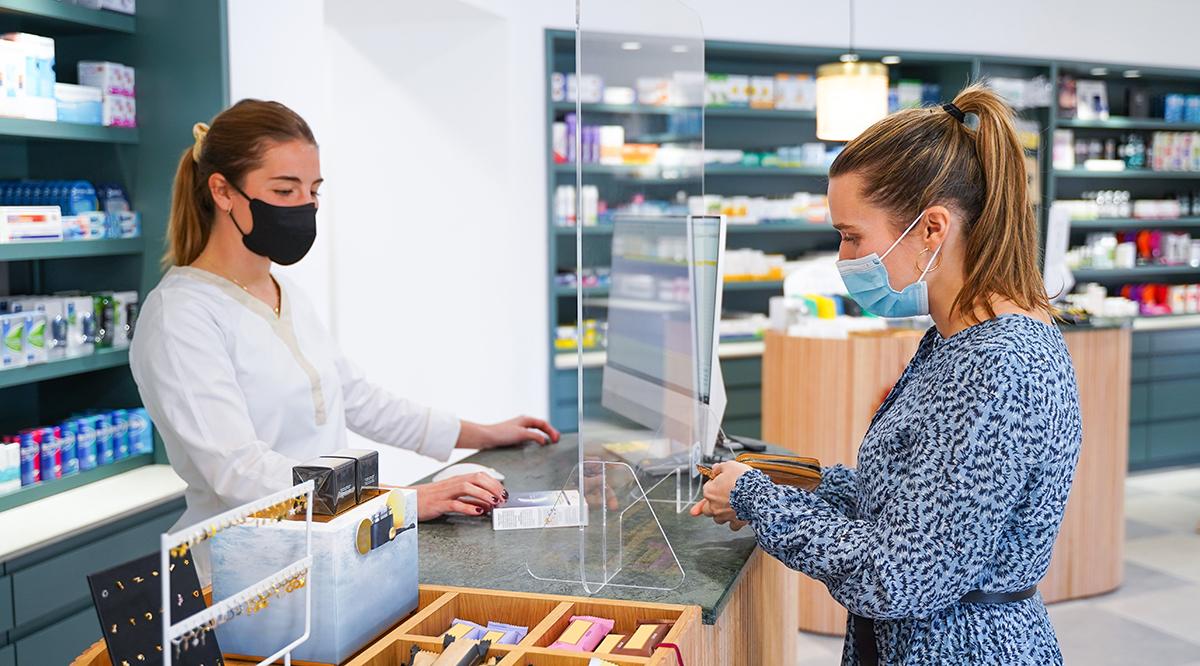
(937, 541)
(233, 365)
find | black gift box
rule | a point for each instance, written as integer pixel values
(333, 481)
(366, 465)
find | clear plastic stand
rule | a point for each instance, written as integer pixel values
(644, 416)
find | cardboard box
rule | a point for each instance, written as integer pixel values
(21, 224)
(356, 597)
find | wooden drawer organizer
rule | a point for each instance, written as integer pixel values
(546, 616)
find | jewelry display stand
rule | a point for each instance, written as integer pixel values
(251, 599)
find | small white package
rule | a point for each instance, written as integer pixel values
(546, 508)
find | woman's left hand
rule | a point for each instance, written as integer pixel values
(506, 433)
(716, 495)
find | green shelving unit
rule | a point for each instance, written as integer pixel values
(71, 249)
(49, 488)
(1104, 224)
(101, 360)
(1128, 174)
(42, 129)
(65, 18)
(179, 52)
(712, 170)
(1129, 124)
(1139, 274)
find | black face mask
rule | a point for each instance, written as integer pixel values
(283, 234)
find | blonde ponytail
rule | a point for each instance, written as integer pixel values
(191, 214)
(1001, 252)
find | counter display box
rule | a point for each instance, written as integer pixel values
(364, 579)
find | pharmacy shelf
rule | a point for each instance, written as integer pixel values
(55, 131)
(734, 229)
(61, 17)
(1102, 224)
(632, 109)
(48, 488)
(1128, 173)
(1166, 322)
(70, 249)
(740, 170)
(1132, 274)
(597, 358)
(101, 360)
(1129, 124)
(634, 171)
(757, 285)
(746, 112)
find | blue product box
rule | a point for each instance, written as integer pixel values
(1173, 108)
(1191, 112)
(141, 432)
(355, 596)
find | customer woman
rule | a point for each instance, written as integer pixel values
(232, 362)
(937, 541)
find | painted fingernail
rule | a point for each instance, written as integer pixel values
(495, 500)
(505, 494)
(479, 510)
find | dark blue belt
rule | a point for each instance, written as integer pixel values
(864, 627)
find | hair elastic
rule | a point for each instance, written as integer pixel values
(956, 112)
(199, 131)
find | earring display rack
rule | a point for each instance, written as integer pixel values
(252, 598)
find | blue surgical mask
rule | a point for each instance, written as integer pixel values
(867, 281)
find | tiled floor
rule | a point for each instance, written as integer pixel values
(1154, 617)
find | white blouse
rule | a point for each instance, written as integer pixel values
(240, 395)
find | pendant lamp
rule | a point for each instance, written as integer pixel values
(851, 94)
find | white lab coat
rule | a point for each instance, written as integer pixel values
(240, 395)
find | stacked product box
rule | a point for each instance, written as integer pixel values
(37, 329)
(50, 210)
(117, 90)
(79, 443)
(27, 76)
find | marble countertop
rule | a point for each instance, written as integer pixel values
(465, 551)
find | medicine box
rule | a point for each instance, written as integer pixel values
(532, 510)
(111, 78)
(356, 595)
(79, 104)
(19, 224)
(118, 111)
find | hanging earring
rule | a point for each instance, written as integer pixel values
(930, 267)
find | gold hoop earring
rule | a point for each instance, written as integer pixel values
(930, 267)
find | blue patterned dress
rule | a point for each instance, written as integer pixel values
(961, 484)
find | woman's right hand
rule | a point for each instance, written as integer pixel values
(470, 494)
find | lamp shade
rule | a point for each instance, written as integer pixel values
(851, 96)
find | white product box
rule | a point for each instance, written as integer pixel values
(12, 336)
(81, 325)
(762, 92)
(123, 6)
(795, 91)
(20, 224)
(92, 225)
(125, 305)
(653, 90)
(39, 62)
(12, 78)
(716, 90)
(739, 90)
(119, 111)
(531, 510)
(110, 77)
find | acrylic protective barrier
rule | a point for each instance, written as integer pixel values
(646, 296)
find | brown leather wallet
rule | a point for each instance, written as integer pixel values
(799, 471)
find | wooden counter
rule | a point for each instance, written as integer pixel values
(819, 397)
